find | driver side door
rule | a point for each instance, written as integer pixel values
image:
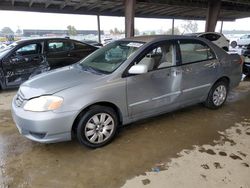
(159, 89)
(21, 63)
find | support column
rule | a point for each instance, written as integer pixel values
(172, 26)
(99, 29)
(129, 18)
(221, 26)
(212, 15)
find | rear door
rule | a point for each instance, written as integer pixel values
(199, 69)
(22, 62)
(58, 53)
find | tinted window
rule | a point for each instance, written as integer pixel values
(211, 37)
(59, 46)
(29, 49)
(80, 46)
(194, 52)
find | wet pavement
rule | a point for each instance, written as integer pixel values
(141, 147)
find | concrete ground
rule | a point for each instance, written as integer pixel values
(192, 147)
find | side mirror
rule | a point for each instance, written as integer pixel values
(138, 69)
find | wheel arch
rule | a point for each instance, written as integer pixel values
(102, 103)
(223, 78)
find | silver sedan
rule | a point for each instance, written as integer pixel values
(123, 82)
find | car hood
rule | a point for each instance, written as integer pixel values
(57, 80)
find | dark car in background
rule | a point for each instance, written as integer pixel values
(246, 53)
(27, 58)
(93, 43)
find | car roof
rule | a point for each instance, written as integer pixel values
(155, 38)
(44, 38)
(22, 41)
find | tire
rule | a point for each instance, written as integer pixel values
(92, 131)
(233, 44)
(217, 95)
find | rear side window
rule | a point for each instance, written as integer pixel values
(59, 46)
(211, 37)
(195, 51)
(29, 49)
(80, 46)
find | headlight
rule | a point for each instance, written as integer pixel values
(43, 103)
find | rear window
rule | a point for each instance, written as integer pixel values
(211, 37)
(195, 52)
(59, 46)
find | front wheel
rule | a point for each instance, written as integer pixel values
(97, 127)
(217, 95)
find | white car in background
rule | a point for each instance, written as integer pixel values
(217, 38)
(2, 46)
(242, 41)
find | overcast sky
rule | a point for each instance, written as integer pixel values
(31, 20)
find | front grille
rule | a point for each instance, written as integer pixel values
(19, 100)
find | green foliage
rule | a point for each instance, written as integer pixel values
(71, 30)
(7, 31)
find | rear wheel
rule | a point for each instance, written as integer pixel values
(217, 95)
(97, 127)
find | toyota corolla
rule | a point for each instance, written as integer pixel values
(127, 80)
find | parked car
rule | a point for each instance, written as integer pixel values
(2, 46)
(246, 54)
(123, 82)
(24, 59)
(242, 41)
(93, 43)
(217, 38)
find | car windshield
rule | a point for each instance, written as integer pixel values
(110, 57)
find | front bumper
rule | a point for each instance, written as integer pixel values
(43, 127)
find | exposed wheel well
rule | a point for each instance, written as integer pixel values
(224, 78)
(225, 48)
(108, 104)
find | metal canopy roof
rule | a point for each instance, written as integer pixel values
(179, 9)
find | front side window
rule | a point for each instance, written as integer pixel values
(29, 49)
(161, 56)
(59, 46)
(195, 52)
(111, 56)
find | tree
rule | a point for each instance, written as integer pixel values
(71, 30)
(137, 32)
(190, 27)
(7, 31)
(115, 31)
(152, 33)
(176, 31)
(18, 32)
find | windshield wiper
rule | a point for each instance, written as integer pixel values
(90, 69)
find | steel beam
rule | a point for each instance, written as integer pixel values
(129, 18)
(213, 12)
(99, 29)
